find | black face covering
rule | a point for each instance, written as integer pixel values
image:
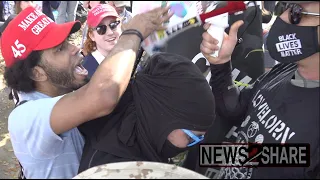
(288, 43)
(169, 150)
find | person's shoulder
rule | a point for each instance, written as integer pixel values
(283, 68)
(88, 57)
(280, 70)
(31, 104)
(90, 63)
(89, 60)
(31, 110)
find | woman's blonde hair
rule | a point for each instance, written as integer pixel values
(89, 45)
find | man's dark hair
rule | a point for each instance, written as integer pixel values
(18, 76)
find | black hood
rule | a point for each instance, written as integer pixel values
(169, 93)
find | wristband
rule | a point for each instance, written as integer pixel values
(133, 31)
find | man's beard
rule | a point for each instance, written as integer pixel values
(63, 79)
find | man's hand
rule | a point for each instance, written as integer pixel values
(150, 21)
(209, 44)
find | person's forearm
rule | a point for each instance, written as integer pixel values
(231, 104)
(113, 75)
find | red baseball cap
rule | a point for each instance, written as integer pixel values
(31, 30)
(99, 12)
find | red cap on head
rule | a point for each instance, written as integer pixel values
(31, 30)
(99, 12)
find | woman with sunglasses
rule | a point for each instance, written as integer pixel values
(283, 103)
(104, 29)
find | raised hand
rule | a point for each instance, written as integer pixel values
(150, 21)
(209, 44)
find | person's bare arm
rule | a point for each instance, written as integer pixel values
(100, 96)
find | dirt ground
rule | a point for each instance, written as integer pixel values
(9, 166)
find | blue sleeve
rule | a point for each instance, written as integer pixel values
(30, 124)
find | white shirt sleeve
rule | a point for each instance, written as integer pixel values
(29, 124)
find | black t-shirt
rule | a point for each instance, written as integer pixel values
(277, 112)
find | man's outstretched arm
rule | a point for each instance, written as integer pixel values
(101, 95)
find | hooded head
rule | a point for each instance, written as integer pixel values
(175, 101)
(172, 106)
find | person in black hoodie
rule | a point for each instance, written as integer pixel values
(166, 109)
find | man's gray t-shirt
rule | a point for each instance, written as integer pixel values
(41, 152)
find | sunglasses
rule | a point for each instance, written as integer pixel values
(102, 29)
(196, 139)
(295, 13)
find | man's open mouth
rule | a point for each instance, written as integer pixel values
(79, 69)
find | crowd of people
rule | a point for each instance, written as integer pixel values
(81, 107)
